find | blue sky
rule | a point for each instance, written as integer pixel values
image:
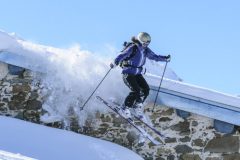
(202, 36)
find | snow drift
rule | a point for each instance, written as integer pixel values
(41, 142)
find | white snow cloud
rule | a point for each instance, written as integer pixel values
(72, 74)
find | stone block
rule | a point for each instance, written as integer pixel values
(185, 139)
(224, 127)
(214, 158)
(183, 114)
(198, 142)
(33, 105)
(15, 70)
(235, 156)
(20, 88)
(182, 127)
(183, 149)
(229, 144)
(170, 140)
(190, 157)
(167, 112)
(164, 119)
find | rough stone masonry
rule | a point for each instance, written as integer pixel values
(193, 138)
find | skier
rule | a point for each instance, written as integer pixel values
(131, 60)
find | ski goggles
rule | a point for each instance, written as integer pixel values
(145, 43)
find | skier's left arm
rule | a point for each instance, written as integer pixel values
(151, 55)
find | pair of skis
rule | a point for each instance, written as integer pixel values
(141, 130)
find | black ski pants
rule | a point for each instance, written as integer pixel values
(139, 89)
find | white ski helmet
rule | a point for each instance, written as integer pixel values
(144, 37)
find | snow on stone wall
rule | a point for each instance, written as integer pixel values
(3, 70)
(191, 138)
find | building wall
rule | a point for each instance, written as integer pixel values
(193, 138)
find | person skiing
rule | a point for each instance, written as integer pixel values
(132, 59)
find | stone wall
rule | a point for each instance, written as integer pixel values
(19, 98)
(193, 138)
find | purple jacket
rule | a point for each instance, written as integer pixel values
(136, 62)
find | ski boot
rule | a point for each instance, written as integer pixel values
(125, 112)
(138, 112)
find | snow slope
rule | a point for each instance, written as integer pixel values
(11, 156)
(45, 143)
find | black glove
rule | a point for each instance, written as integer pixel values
(113, 65)
(168, 58)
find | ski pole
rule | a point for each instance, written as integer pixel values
(95, 89)
(159, 86)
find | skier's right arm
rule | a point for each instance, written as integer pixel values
(124, 54)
